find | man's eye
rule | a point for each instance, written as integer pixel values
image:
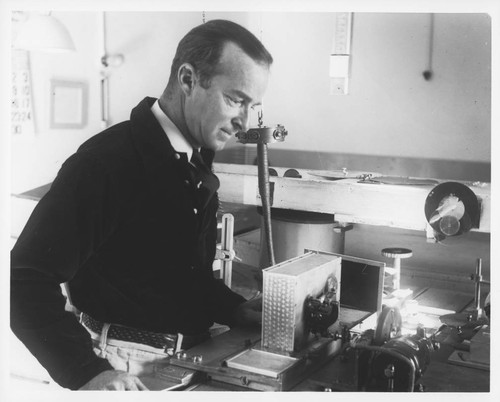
(232, 101)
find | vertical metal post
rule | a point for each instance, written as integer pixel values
(477, 288)
(397, 274)
(227, 246)
(104, 93)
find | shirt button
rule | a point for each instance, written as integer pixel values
(177, 156)
(195, 211)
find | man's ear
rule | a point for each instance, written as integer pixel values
(187, 78)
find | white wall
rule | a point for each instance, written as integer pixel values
(390, 110)
(37, 157)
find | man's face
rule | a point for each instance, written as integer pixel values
(214, 115)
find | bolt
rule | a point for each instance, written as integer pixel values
(181, 354)
(389, 371)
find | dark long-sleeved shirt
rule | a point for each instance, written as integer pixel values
(127, 225)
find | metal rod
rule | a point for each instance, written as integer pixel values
(477, 287)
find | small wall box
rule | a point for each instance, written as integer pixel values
(68, 104)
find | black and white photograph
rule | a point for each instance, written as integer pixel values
(249, 197)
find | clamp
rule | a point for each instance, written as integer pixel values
(227, 254)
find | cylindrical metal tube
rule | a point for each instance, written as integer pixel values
(265, 195)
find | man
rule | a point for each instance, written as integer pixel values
(130, 224)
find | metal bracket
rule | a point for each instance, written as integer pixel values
(263, 135)
(226, 255)
(341, 227)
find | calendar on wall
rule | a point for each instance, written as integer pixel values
(22, 118)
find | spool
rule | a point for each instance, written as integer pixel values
(452, 209)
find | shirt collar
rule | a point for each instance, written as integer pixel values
(178, 141)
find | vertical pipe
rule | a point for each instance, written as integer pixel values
(264, 190)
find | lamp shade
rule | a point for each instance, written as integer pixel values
(43, 33)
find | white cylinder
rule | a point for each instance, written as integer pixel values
(295, 231)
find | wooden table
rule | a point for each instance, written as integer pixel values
(440, 376)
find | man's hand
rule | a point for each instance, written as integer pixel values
(115, 380)
(249, 313)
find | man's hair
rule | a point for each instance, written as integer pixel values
(202, 48)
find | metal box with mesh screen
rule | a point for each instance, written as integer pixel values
(285, 290)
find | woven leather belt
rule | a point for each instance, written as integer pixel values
(154, 339)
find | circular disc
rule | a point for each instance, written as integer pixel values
(399, 252)
(389, 325)
(464, 194)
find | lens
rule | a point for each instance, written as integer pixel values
(449, 225)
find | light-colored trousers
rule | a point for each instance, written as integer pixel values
(137, 359)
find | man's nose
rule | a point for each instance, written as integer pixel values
(242, 121)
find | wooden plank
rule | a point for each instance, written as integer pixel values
(35, 194)
(400, 206)
(21, 208)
